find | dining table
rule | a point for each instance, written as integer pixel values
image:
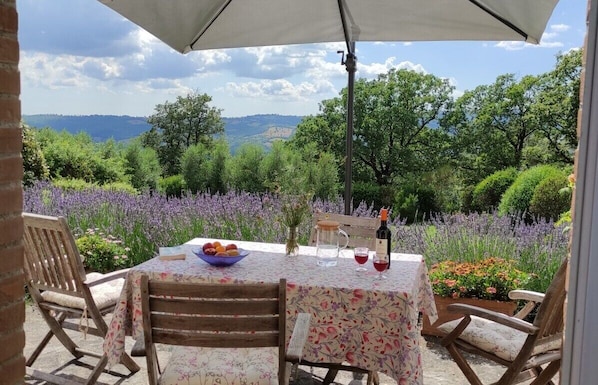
(356, 318)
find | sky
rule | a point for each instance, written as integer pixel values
(78, 57)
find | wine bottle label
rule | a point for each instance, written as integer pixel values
(381, 246)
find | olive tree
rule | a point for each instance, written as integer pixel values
(176, 126)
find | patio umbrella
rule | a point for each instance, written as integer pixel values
(188, 25)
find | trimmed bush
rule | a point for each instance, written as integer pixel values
(172, 186)
(517, 198)
(415, 203)
(550, 198)
(368, 193)
(487, 194)
(467, 199)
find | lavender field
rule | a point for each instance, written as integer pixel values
(146, 221)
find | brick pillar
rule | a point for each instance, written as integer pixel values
(12, 305)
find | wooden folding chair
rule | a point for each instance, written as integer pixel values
(527, 350)
(66, 296)
(224, 333)
(361, 232)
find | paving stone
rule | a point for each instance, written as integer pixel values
(438, 367)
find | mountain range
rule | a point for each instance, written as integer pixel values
(260, 129)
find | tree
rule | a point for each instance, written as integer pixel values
(491, 125)
(394, 119)
(217, 170)
(557, 105)
(194, 167)
(273, 165)
(34, 163)
(245, 168)
(142, 166)
(310, 170)
(176, 126)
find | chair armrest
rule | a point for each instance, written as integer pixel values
(526, 295)
(108, 277)
(298, 338)
(500, 318)
(532, 298)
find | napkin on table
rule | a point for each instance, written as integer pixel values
(172, 253)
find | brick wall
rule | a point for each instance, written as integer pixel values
(12, 305)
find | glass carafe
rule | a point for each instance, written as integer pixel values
(328, 242)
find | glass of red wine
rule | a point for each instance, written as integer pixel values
(361, 256)
(380, 264)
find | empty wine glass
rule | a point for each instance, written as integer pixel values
(361, 256)
(380, 264)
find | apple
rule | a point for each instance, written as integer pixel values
(210, 251)
(231, 246)
(208, 245)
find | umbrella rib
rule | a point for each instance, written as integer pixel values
(341, 8)
(500, 18)
(209, 24)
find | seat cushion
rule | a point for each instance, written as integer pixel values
(105, 294)
(211, 366)
(490, 336)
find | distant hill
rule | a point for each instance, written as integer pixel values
(261, 129)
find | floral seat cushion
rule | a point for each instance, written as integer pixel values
(104, 295)
(492, 337)
(190, 365)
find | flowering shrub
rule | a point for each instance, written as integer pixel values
(146, 221)
(101, 253)
(491, 278)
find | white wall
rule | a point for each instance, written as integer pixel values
(580, 355)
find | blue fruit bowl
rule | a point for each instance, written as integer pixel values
(220, 260)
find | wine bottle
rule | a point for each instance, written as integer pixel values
(383, 236)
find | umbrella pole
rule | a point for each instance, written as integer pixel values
(351, 66)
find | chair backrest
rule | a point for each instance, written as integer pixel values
(550, 316)
(52, 261)
(361, 230)
(214, 315)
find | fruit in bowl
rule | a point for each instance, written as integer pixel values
(216, 248)
(217, 254)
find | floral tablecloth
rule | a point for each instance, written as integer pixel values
(369, 323)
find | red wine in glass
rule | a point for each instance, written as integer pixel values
(361, 256)
(380, 264)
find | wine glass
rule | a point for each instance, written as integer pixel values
(380, 264)
(361, 256)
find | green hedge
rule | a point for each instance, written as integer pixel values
(517, 198)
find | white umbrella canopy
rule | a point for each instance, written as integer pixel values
(188, 25)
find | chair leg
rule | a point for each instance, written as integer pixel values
(330, 376)
(40, 347)
(129, 363)
(463, 365)
(546, 374)
(100, 324)
(373, 378)
(55, 324)
(97, 370)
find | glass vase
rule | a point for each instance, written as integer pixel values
(292, 244)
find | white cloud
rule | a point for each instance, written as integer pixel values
(559, 28)
(280, 89)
